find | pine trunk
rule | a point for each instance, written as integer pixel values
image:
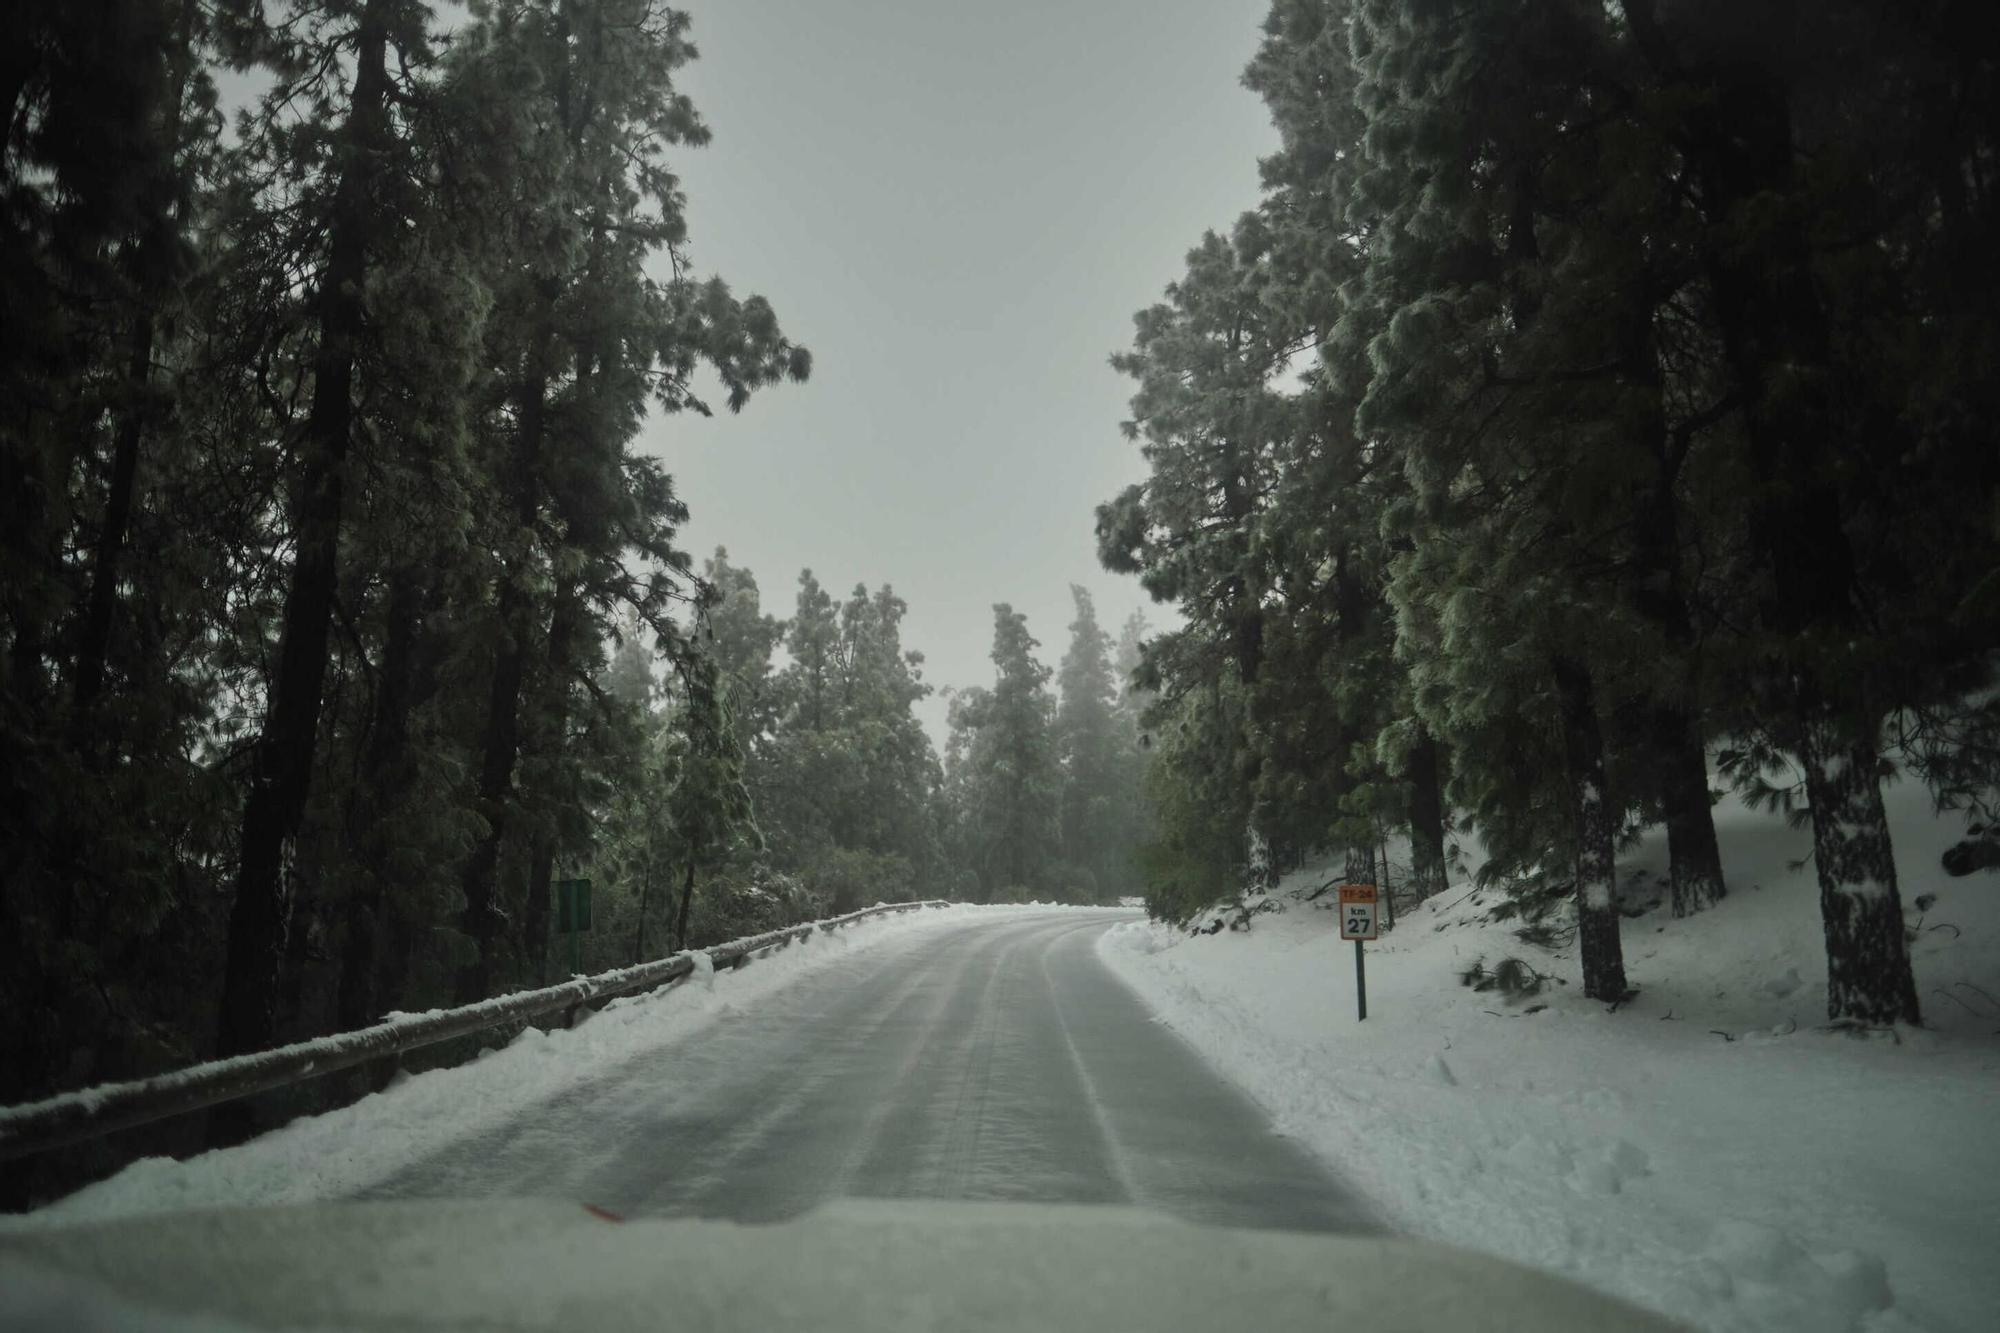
(1359, 865)
(1427, 872)
(150, 272)
(541, 907)
(360, 964)
(1694, 859)
(482, 918)
(645, 896)
(398, 950)
(1778, 343)
(285, 750)
(1658, 593)
(383, 785)
(1595, 824)
(95, 645)
(1388, 890)
(302, 933)
(1868, 976)
(1262, 870)
(687, 903)
(564, 626)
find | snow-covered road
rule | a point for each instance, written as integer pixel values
(996, 1059)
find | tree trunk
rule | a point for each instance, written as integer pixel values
(96, 641)
(1659, 595)
(150, 268)
(1595, 824)
(1387, 891)
(399, 944)
(645, 893)
(1262, 870)
(302, 934)
(687, 902)
(385, 782)
(285, 750)
(1694, 858)
(541, 899)
(1359, 866)
(482, 919)
(1778, 345)
(1427, 871)
(384, 917)
(564, 625)
(1868, 976)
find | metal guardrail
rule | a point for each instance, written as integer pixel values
(75, 1117)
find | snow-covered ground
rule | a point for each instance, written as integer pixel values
(853, 1266)
(1709, 1151)
(343, 1152)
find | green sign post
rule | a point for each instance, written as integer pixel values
(573, 917)
(1357, 923)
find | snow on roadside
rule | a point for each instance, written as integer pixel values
(343, 1151)
(1709, 1151)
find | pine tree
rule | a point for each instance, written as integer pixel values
(584, 338)
(1132, 745)
(812, 637)
(741, 639)
(359, 222)
(1004, 773)
(105, 572)
(1097, 831)
(709, 809)
(844, 776)
(1738, 138)
(1213, 430)
(1469, 334)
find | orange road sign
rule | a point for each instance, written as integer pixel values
(1357, 912)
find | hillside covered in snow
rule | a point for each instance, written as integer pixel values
(1711, 1149)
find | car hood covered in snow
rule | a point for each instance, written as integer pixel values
(852, 1265)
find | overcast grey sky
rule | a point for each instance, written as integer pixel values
(957, 206)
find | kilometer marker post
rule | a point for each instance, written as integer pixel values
(1358, 923)
(1360, 984)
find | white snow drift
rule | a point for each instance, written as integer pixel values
(1709, 1151)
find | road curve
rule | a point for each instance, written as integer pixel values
(997, 1059)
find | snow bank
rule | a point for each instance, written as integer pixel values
(1709, 1151)
(341, 1152)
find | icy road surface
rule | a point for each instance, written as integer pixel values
(995, 1060)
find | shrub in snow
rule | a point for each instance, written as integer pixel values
(1977, 853)
(1510, 976)
(851, 878)
(1231, 916)
(1546, 935)
(728, 908)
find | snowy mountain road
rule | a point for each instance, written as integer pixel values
(990, 1060)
